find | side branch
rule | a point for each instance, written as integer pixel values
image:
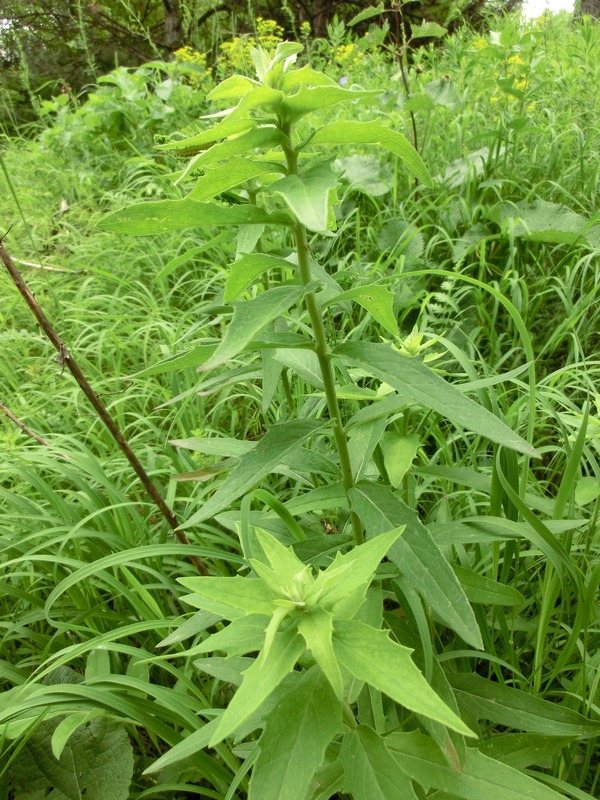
(66, 359)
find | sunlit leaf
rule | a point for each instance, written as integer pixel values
(350, 132)
(371, 656)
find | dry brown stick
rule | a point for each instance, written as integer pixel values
(23, 427)
(44, 267)
(65, 359)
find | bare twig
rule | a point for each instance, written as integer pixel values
(66, 360)
(44, 267)
(22, 426)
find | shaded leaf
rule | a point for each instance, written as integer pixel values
(254, 465)
(97, 762)
(480, 589)
(249, 318)
(296, 735)
(310, 195)
(480, 777)
(514, 708)
(417, 556)
(370, 771)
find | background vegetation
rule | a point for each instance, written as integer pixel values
(494, 278)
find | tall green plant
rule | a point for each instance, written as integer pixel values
(318, 632)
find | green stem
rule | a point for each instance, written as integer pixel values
(323, 355)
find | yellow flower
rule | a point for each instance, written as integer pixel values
(516, 59)
(479, 44)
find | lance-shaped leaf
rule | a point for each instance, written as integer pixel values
(228, 127)
(479, 777)
(367, 14)
(188, 748)
(178, 361)
(231, 88)
(249, 318)
(308, 99)
(282, 559)
(253, 466)
(398, 454)
(260, 136)
(370, 771)
(236, 122)
(428, 30)
(350, 132)
(159, 216)
(259, 680)
(231, 598)
(515, 708)
(371, 656)
(235, 172)
(377, 300)
(348, 577)
(414, 379)
(417, 556)
(242, 635)
(316, 628)
(296, 735)
(305, 76)
(309, 196)
(243, 271)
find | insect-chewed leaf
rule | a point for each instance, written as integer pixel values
(235, 172)
(160, 216)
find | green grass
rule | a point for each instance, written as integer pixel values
(89, 569)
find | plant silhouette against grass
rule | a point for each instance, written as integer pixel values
(340, 704)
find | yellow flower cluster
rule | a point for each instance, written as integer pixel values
(236, 53)
(305, 30)
(345, 57)
(187, 55)
(516, 59)
(479, 44)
